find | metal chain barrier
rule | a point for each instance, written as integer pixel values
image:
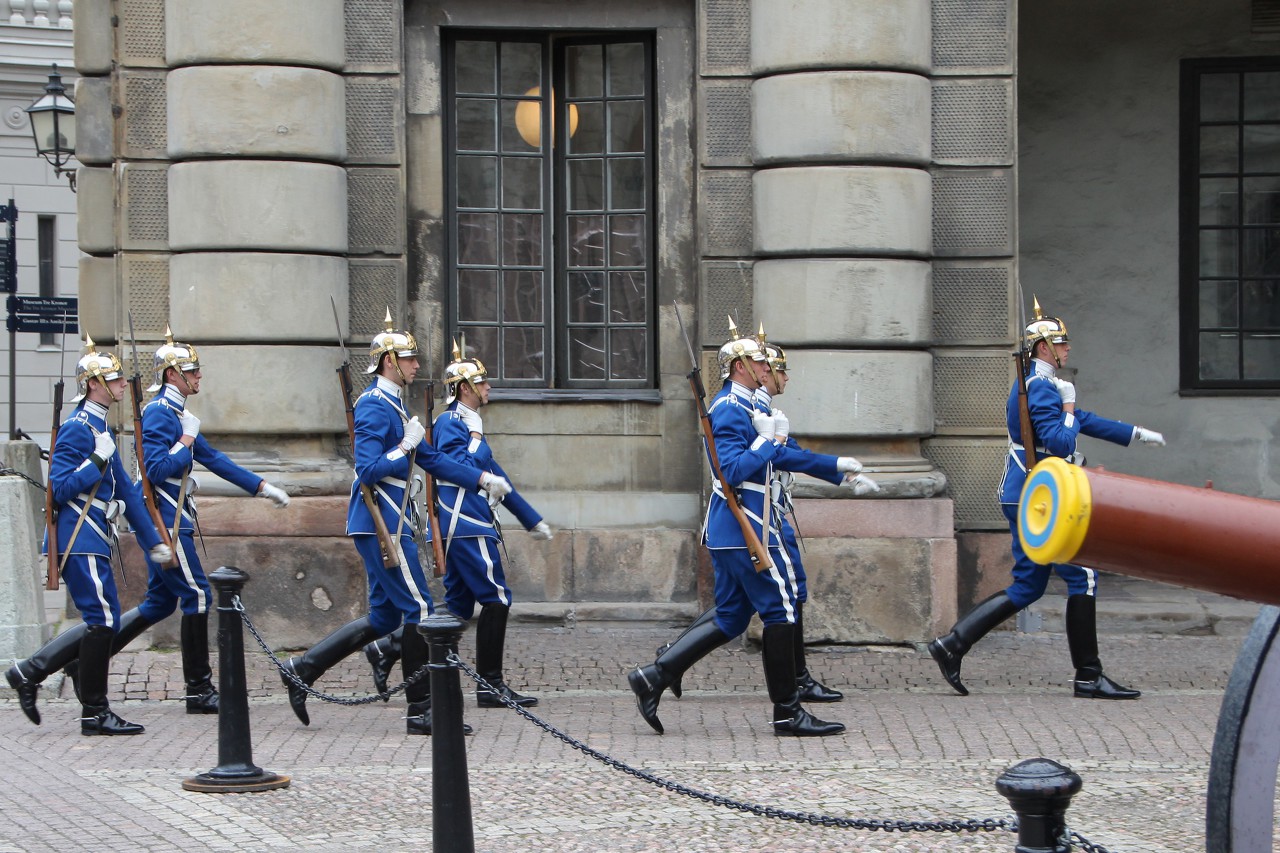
(14, 472)
(871, 824)
(425, 672)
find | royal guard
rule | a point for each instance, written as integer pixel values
(388, 446)
(741, 534)
(1047, 407)
(474, 571)
(89, 484)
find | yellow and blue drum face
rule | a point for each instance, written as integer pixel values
(1053, 511)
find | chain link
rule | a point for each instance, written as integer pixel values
(292, 679)
(986, 825)
(14, 472)
(870, 824)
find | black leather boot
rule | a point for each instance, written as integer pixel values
(202, 696)
(382, 656)
(491, 638)
(789, 716)
(317, 660)
(96, 717)
(973, 626)
(648, 682)
(811, 689)
(25, 676)
(132, 624)
(1082, 640)
(415, 656)
(677, 689)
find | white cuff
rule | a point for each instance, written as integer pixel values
(395, 455)
(177, 448)
(760, 442)
(1070, 420)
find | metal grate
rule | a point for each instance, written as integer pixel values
(726, 37)
(146, 296)
(1264, 17)
(972, 212)
(374, 287)
(146, 116)
(146, 190)
(142, 39)
(727, 289)
(971, 302)
(372, 117)
(726, 212)
(973, 468)
(973, 36)
(727, 113)
(374, 220)
(970, 390)
(973, 122)
(373, 35)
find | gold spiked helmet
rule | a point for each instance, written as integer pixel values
(738, 347)
(182, 357)
(463, 369)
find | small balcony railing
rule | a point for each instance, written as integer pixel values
(37, 13)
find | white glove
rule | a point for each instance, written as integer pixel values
(862, 484)
(275, 494)
(104, 446)
(764, 425)
(542, 531)
(1076, 458)
(496, 487)
(1148, 436)
(781, 426)
(1066, 389)
(414, 432)
(160, 554)
(848, 465)
(190, 424)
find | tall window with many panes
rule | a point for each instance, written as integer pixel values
(550, 177)
(1230, 296)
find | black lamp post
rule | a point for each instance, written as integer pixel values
(53, 126)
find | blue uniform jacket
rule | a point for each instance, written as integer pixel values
(464, 511)
(746, 462)
(168, 460)
(76, 480)
(1055, 428)
(380, 416)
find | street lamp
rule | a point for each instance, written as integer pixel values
(53, 126)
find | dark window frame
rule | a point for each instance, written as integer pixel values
(47, 264)
(555, 320)
(1191, 227)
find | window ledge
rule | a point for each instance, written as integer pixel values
(576, 395)
(1229, 392)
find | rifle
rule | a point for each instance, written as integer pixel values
(759, 556)
(53, 568)
(437, 540)
(148, 491)
(1023, 360)
(389, 558)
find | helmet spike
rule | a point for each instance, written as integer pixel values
(1036, 307)
(761, 336)
(733, 329)
(457, 353)
(88, 343)
(168, 335)
(387, 319)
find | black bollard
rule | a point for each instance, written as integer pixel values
(451, 830)
(236, 773)
(1040, 791)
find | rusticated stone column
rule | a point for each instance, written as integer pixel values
(842, 209)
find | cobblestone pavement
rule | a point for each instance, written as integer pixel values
(914, 752)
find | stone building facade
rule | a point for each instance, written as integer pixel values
(843, 171)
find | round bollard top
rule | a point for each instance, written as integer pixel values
(1053, 511)
(1039, 778)
(228, 576)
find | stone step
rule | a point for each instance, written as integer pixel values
(1134, 606)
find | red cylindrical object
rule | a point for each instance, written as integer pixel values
(1199, 538)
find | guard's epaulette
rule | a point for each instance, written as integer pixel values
(730, 397)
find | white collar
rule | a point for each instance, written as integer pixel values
(96, 409)
(740, 390)
(172, 395)
(763, 396)
(1043, 368)
(386, 386)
